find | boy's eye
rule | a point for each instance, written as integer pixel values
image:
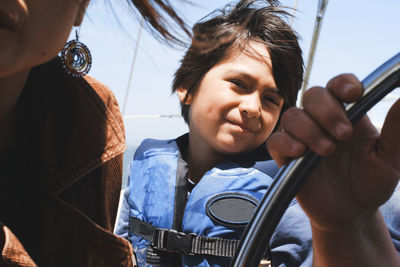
(239, 83)
(271, 99)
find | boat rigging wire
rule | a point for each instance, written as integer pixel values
(132, 67)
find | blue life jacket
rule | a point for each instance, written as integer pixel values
(152, 192)
(213, 214)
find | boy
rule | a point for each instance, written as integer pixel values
(232, 85)
(231, 104)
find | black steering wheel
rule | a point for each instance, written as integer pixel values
(289, 179)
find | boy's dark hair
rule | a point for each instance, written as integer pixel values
(233, 28)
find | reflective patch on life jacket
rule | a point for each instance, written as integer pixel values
(231, 209)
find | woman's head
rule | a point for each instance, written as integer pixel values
(232, 29)
(33, 32)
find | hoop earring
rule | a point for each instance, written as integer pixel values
(76, 58)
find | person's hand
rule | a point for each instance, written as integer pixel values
(360, 167)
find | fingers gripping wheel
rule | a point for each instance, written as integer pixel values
(289, 179)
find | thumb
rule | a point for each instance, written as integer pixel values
(389, 142)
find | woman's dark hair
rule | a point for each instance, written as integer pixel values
(233, 27)
(158, 15)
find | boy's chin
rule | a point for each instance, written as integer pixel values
(231, 149)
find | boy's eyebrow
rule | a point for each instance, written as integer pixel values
(247, 75)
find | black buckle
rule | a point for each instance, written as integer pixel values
(173, 241)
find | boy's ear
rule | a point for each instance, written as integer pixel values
(81, 12)
(183, 96)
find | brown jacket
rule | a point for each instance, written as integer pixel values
(73, 176)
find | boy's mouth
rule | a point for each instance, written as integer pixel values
(243, 127)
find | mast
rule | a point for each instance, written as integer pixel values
(317, 27)
(293, 12)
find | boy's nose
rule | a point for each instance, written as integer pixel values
(250, 106)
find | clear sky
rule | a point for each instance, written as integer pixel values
(356, 36)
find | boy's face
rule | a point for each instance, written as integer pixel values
(237, 103)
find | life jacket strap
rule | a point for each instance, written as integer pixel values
(172, 241)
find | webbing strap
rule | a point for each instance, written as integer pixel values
(142, 229)
(214, 246)
(173, 241)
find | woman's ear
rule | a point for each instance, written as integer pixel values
(81, 12)
(184, 97)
